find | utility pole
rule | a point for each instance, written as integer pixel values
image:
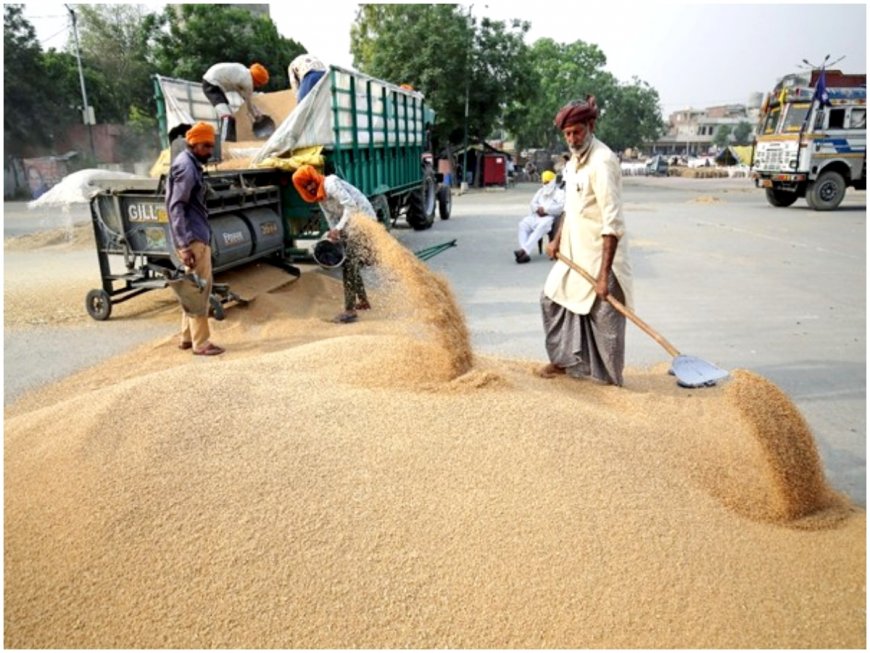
(86, 111)
(463, 184)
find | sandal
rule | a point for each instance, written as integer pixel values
(209, 350)
(185, 344)
(362, 305)
(344, 318)
(550, 371)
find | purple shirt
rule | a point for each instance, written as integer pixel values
(185, 202)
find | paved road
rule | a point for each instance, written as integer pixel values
(722, 275)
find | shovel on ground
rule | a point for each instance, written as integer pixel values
(691, 372)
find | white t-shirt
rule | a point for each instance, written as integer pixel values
(342, 201)
(231, 77)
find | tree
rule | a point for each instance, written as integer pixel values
(28, 117)
(189, 39)
(722, 137)
(631, 117)
(565, 71)
(446, 55)
(743, 133)
(630, 113)
(114, 41)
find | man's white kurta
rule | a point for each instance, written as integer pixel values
(593, 209)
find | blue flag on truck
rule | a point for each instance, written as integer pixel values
(821, 93)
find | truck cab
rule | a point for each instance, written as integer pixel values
(810, 144)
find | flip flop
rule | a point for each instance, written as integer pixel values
(344, 318)
(209, 350)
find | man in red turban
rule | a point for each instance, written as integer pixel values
(577, 112)
(584, 334)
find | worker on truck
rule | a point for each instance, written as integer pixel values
(223, 78)
(304, 72)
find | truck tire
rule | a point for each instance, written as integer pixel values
(445, 202)
(776, 197)
(826, 193)
(381, 205)
(421, 204)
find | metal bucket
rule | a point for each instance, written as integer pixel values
(328, 254)
(263, 127)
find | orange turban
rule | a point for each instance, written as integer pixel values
(259, 74)
(576, 112)
(201, 132)
(303, 176)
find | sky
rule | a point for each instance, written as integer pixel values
(695, 54)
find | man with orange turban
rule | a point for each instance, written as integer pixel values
(342, 204)
(191, 232)
(223, 78)
(584, 334)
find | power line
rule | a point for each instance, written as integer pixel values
(49, 38)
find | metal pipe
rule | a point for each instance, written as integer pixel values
(463, 184)
(85, 113)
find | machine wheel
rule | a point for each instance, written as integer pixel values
(381, 205)
(217, 309)
(421, 204)
(98, 304)
(780, 197)
(827, 192)
(445, 202)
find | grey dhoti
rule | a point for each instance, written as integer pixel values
(590, 345)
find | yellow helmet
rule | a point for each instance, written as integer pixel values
(547, 176)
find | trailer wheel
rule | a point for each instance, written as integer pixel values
(777, 197)
(827, 192)
(217, 309)
(421, 204)
(381, 205)
(445, 202)
(98, 304)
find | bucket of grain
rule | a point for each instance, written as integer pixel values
(328, 254)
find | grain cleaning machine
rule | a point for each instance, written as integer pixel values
(134, 245)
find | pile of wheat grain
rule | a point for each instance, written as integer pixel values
(375, 485)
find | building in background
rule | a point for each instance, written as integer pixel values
(691, 131)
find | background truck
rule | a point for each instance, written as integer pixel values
(367, 131)
(808, 147)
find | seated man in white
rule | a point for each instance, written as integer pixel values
(546, 206)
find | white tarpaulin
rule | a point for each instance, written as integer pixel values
(80, 186)
(397, 115)
(186, 103)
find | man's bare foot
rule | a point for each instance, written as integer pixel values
(550, 371)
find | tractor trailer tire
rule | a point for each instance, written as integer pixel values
(826, 193)
(777, 197)
(421, 204)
